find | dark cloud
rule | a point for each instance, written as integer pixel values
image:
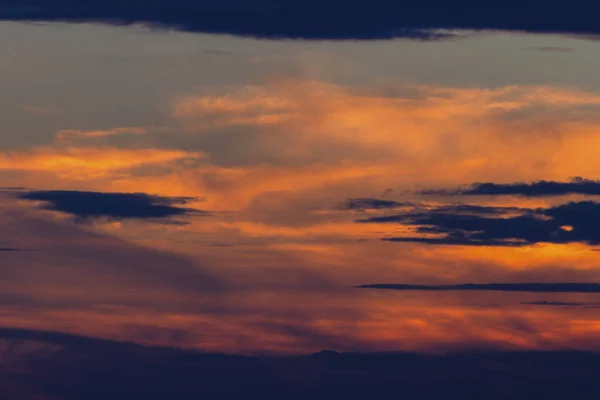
(9, 249)
(85, 368)
(533, 189)
(88, 205)
(312, 19)
(555, 303)
(49, 337)
(457, 241)
(363, 203)
(499, 226)
(535, 287)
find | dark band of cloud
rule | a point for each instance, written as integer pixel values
(534, 287)
(574, 222)
(89, 368)
(333, 19)
(363, 203)
(533, 189)
(89, 205)
(546, 303)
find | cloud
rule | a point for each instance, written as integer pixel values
(371, 204)
(49, 337)
(74, 134)
(86, 205)
(81, 367)
(40, 110)
(382, 19)
(533, 189)
(556, 303)
(414, 130)
(9, 249)
(499, 226)
(262, 18)
(85, 163)
(558, 287)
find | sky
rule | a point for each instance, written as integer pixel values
(275, 189)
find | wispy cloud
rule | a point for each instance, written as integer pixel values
(83, 163)
(371, 204)
(534, 189)
(74, 134)
(547, 303)
(40, 110)
(564, 287)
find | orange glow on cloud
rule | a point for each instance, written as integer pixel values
(278, 240)
(80, 163)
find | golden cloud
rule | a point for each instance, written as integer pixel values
(81, 163)
(506, 133)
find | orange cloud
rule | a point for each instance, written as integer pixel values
(82, 163)
(427, 130)
(285, 250)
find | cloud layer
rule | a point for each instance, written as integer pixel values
(286, 167)
(382, 19)
(83, 368)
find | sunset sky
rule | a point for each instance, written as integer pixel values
(228, 190)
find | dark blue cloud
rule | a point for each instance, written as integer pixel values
(94, 369)
(363, 203)
(88, 205)
(533, 287)
(533, 189)
(499, 226)
(547, 303)
(323, 19)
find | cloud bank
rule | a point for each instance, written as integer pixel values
(83, 368)
(333, 19)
